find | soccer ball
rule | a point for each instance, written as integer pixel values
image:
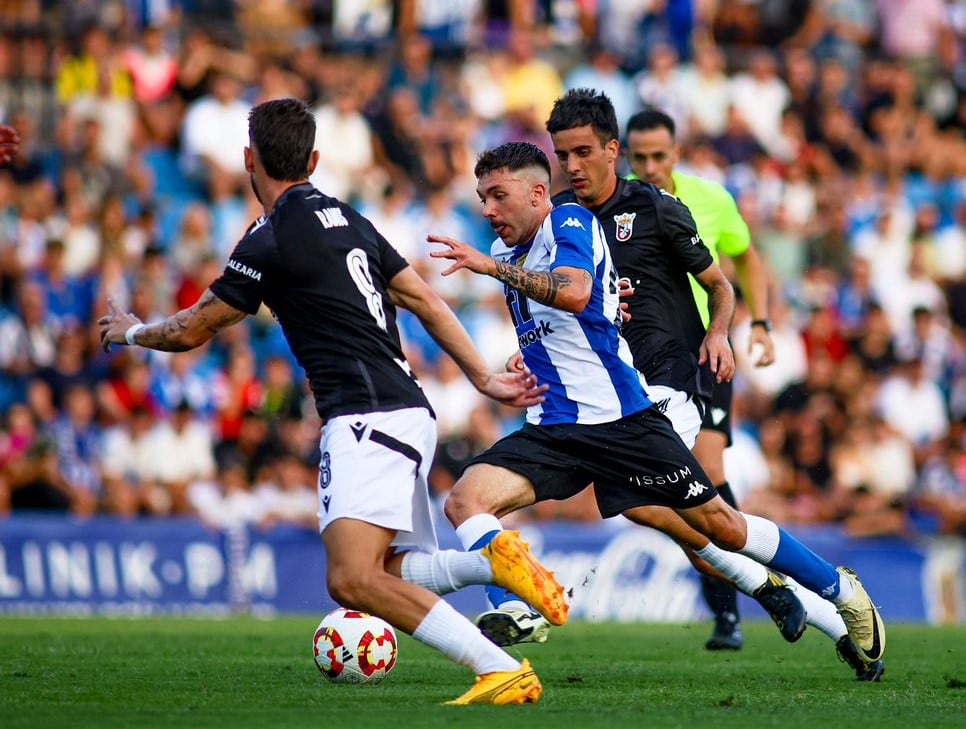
(354, 647)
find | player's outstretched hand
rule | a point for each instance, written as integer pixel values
(518, 389)
(515, 363)
(114, 325)
(9, 144)
(462, 255)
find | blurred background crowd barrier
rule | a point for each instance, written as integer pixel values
(614, 571)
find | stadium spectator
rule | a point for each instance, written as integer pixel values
(10, 146)
(153, 69)
(704, 90)
(344, 168)
(94, 67)
(213, 135)
(76, 439)
(602, 71)
(183, 454)
(759, 96)
(662, 85)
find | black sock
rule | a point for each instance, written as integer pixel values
(724, 490)
(721, 596)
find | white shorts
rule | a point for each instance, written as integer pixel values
(374, 468)
(680, 408)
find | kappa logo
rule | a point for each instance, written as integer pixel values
(717, 415)
(695, 489)
(625, 226)
(572, 223)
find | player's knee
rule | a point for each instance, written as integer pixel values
(349, 587)
(728, 534)
(463, 502)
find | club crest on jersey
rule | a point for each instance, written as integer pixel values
(625, 226)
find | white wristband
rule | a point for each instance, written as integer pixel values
(129, 334)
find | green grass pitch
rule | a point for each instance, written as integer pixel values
(239, 673)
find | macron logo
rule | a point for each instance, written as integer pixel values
(572, 223)
(331, 218)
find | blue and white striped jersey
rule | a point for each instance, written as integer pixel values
(582, 357)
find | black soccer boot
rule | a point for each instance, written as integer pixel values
(722, 599)
(784, 607)
(864, 671)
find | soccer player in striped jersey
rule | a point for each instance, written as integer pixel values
(628, 448)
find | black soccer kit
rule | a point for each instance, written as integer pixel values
(655, 245)
(323, 270)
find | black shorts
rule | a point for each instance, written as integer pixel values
(636, 461)
(717, 417)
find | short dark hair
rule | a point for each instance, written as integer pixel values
(282, 131)
(585, 107)
(645, 121)
(512, 156)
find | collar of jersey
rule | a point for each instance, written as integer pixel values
(519, 252)
(617, 195)
(289, 191)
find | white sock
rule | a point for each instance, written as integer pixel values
(845, 590)
(444, 571)
(476, 527)
(459, 640)
(747, 574)
(820, 613)
(762, 541)
(516, 604)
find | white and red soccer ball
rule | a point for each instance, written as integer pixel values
(354, 647)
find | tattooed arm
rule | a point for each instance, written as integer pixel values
(564, 287)
(187, 329)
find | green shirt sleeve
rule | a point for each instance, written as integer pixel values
(734, 238)
(719, 223)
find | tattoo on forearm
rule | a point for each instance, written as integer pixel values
(540, 286)
(169, 335)
(164, 335)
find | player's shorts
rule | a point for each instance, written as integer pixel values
(718, 416)
(681, 408)
(374, 468)
(636, 461)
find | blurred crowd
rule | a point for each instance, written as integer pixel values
(838, 125)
